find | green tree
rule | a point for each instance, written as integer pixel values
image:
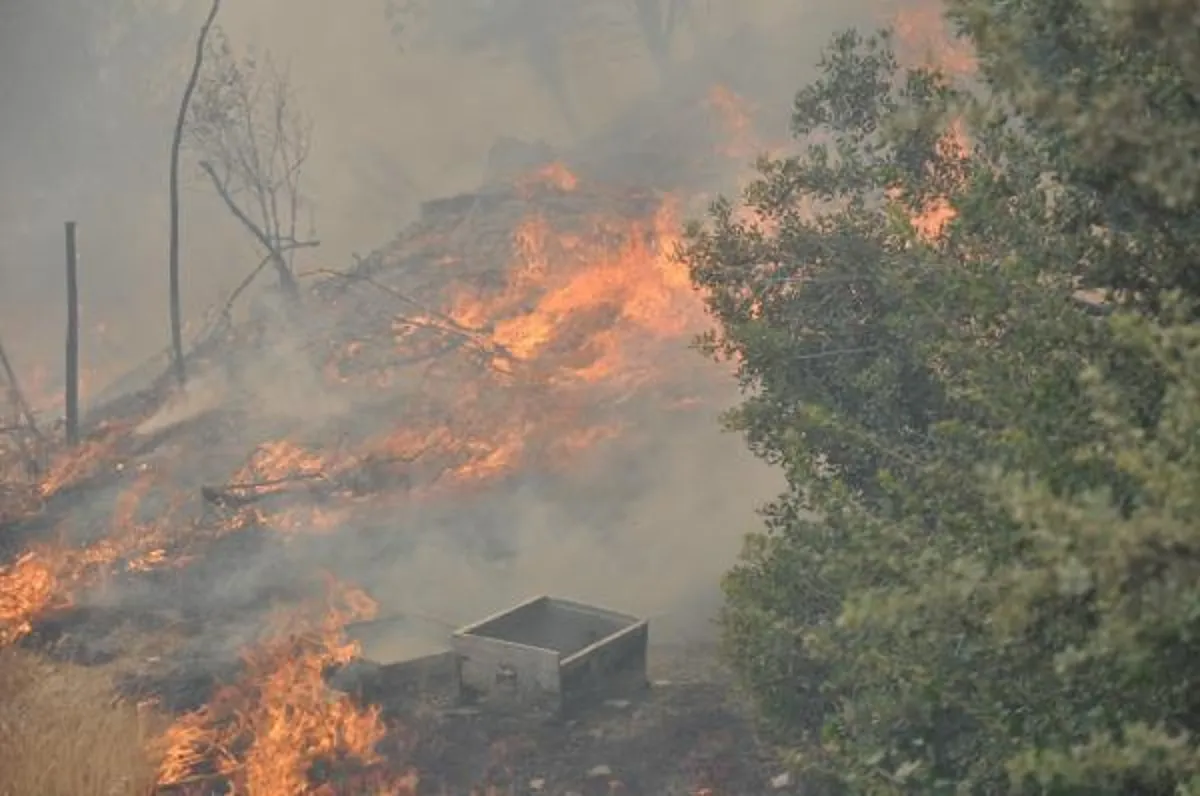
(1111, 92)
(907, 620)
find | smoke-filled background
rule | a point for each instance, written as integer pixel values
(90, 91)
(401, 115)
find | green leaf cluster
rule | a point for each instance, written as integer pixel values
(983, 576)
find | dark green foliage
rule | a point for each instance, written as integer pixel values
(1112, 91)
(983, 574)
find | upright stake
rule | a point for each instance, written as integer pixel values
(72, 340)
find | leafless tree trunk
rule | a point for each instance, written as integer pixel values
(176, 143)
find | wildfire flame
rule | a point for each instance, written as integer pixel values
(581, 315)
(924, 39)
(930, 218)
(267, 732)
(638, 281)
(71, 467)
(735, 116)
(46, 576)
(552, 175)
(581, 321)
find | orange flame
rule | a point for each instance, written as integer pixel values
(953, 149)
(638, 281)
(553, 175)
(267, 732)
(581, 315)
(924, 39)
(46, 577)
(736, 119)
(72, 466)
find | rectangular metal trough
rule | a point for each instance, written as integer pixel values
(402, 662)
(548, 654)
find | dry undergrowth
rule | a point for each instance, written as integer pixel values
(62, 732)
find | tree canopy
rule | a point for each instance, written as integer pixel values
(963, 319)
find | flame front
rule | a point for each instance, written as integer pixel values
(46, 576)
(637, 283)
(587, 313)
(267, 733)
(583, 318)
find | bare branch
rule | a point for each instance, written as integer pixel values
(223, 191)
(253, 144)
(287, 248)
(431, 319)
(16, 395)
(30, 457)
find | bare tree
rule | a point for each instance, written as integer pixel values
(176, 142)
(253, 142)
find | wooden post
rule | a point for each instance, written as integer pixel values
(72, 387)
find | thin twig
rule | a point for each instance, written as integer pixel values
(227, 310)
(239, 214)
(444, 322)
(18, 397)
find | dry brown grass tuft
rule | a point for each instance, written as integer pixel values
(63, 733)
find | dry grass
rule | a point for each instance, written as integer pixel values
(62, 732)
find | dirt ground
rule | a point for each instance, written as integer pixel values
(688, 733)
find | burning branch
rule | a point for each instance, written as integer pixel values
(253, 145)
(428, 318)
(239, 495)
(365, 475)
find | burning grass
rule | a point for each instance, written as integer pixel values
(46, 576)
(278, 730)
(507, 332)
(512, 347)
(63, 732)
(471, 360)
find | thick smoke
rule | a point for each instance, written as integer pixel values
(89, 98)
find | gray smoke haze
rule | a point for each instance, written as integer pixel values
(88, 93)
